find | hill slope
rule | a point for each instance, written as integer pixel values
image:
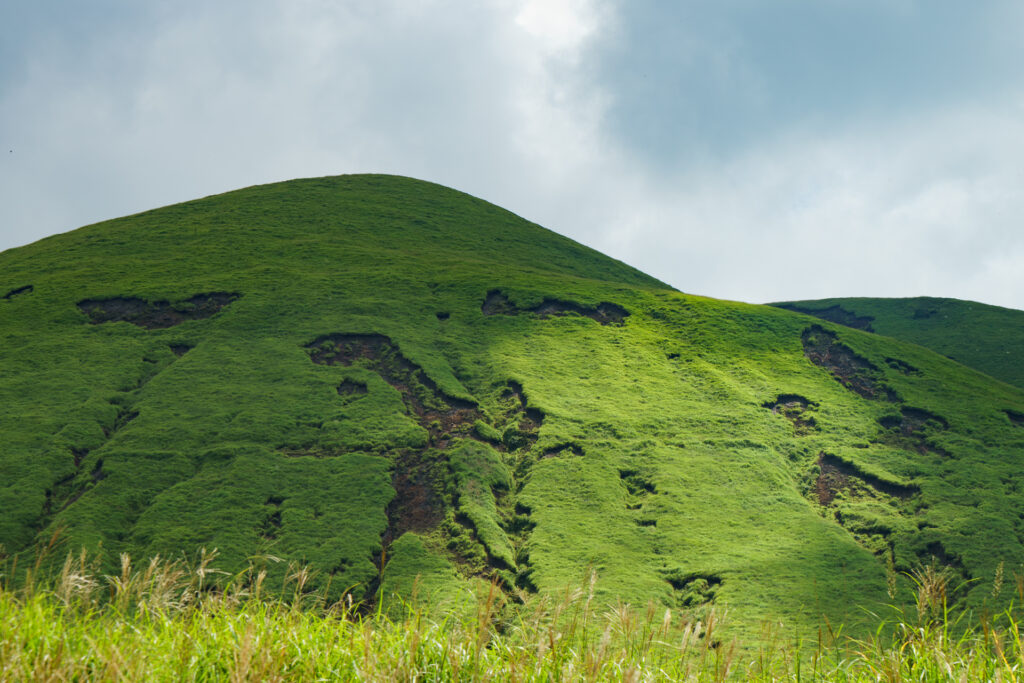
(388, 379)
(983, 337)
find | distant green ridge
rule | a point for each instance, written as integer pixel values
(417, 393)
(986, 338)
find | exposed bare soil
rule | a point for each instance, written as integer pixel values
(155, 315)
(497, 303)
(441, 415)
(419, 476)
(911, 429)
(854, 372)
(838, 475)
(606, 313)
(837, 314)
(418, 504)
(792, 407)
(914, 420)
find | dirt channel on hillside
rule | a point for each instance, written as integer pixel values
(425, 501)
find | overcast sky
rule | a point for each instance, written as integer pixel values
(744, 149)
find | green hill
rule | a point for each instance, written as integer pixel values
(983, 337)
(416, 392)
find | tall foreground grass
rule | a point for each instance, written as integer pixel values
(172, 621)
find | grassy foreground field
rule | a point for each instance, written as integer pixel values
(161, 622)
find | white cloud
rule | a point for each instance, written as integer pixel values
(561, 25)
(923, 207)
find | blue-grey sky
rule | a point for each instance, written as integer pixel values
(740, 149)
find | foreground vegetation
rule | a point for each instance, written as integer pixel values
(172, 621)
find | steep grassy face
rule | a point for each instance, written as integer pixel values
(416, 393)
(983, 337)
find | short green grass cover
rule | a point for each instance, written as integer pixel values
(417, 393)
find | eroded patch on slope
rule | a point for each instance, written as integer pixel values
(639, 486)
(902, 366)
(155, 315)
(443, 416)
(497, 303)
(519, 526)
(523, 421)
(569, 448)
(17, 291)
(912, 428)
(854, 372)
(66, 490)
(428, 496)
(637, 483)
(837, 314)
(270, 526)
(837, 476)
(419, 503)
(793, 407)
(351, 388)
(695, 592)
(912, 421)
(180, 350)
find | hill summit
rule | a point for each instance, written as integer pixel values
(416, 393)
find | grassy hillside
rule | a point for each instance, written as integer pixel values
(983, 337)
(415, 393)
